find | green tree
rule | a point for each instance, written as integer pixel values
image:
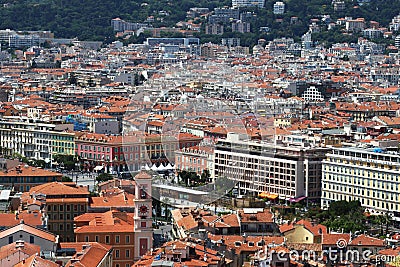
(104, 177)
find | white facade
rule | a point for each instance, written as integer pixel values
(369, 175)
(32, 140)
(244, 3)
(288, 171)
(312, 94)
(46, 240)
(279, 8)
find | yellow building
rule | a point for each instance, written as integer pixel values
(63, 143)
(303, 231)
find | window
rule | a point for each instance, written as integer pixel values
(68, 207)
(61, 207)
(75, 207)
(117, 239)
(117, 253)
(127, 239)
(49, 208)
(86, 238)
(10, 239)
(143, 224)
(107, 239)
(127, 253)
(96, 238)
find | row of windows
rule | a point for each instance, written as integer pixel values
(107, 239)
(190, 160)
(361, 172)
(360, 181)
(361, 192)
(62, 137)
(68, 207)
(63, 144)
(59, 227)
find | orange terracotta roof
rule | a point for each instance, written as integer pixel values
(28, 171)
(29, 229)
(36, 260)
(27, 249)
(364, 240)
(58, 188)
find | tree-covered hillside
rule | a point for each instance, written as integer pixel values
(90, 19)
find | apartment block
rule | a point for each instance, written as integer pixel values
(279, 8)
(63, 202)
(369, 175)
(38, 141)
(289, 171)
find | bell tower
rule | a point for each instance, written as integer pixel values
(143, 214)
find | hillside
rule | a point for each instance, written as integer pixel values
(90, 19)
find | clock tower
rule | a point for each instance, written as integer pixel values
(143, 214)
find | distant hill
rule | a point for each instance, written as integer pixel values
(90, 19)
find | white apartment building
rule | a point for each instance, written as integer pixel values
(312, 94)
(289, 171)
(368, 175)
(279, 8)
(244, 3)
(37, 141)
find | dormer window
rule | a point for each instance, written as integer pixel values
(238, 243)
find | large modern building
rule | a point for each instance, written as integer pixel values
(368, 175)
(289, 171)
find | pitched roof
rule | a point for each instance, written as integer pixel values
(248, 215)
(333, 239)
(90, 254)
(110, 221)
(29, 229)
(364, 240)
(28, 171)
(58, 188)
(142, 175)
(18, 246)
(11, 219)
(36, 260)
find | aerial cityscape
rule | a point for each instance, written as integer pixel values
(200, 133)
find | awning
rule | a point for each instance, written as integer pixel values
(263, 194)
(297, 199)
(272, 196)
(267, 195)
(98, 168)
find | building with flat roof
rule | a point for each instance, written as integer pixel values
(279, 8)
(369, 175)
(290, 171)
